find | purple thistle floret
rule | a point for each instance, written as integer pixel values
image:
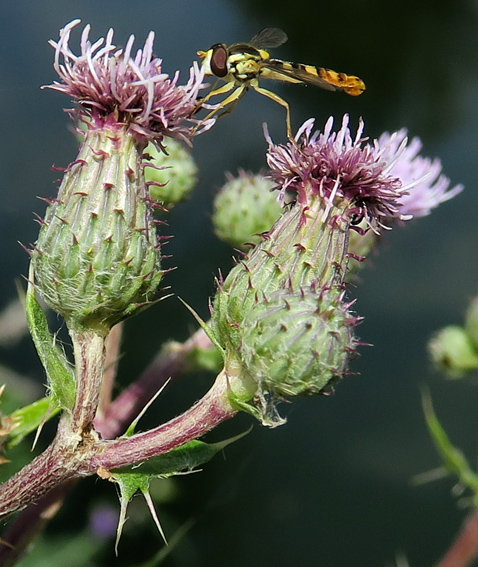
(381, 182)
(112, 85)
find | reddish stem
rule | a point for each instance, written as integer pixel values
(169, 364)
(20, 534)
(70, 457)
(464, 549)
(211, 410)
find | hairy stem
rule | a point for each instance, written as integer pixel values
(71, 456)
(89, 364)
(57, 464)
(170, 363)
(111, 420)
(20, 534)
(207, 413)
(112, 346)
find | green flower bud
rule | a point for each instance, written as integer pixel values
(471, 322)
(279, 315)
(97, 258)
(170, 176)
(453, 352)
(244, 208)
(297, 343)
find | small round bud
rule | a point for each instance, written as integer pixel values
(453, 352)
(471, 322)
(244, 208)
(171, 176)
(297, 343)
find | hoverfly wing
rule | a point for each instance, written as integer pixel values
(279, 70)
(269, 38)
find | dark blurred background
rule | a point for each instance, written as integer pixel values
(333, 487)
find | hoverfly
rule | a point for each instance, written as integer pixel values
(241, 65)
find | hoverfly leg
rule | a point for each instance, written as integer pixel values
(232, 100)
(280, 101)
(221, 90)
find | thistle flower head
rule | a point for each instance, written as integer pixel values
(383, 181)
(337, 167)
(113, 85)
(97, 259)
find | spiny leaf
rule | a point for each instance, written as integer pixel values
(137, 477)
(184, 458)
(129, 484)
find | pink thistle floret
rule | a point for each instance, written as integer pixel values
(426, 186)
(112, 85)
(379, 181)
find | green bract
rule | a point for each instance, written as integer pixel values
(297, 343)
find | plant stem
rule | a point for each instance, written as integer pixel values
(89, 367)
(112, 346)
(211, 410)
(52, 467)
(111, 420)
(170, 363)
(71, 456)
(464, 549)
(20, 534)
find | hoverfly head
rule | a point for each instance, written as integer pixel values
(215, 60)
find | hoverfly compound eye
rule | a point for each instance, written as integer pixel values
(219, 60)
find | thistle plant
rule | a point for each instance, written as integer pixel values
(282, 322)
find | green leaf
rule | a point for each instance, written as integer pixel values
(129, 484)
(453, 459)
(184, 458)
(60, 375)
(28, 418)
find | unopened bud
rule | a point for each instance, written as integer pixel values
(244, 208)
(171, 176)
(453, 352)
(297, 343)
